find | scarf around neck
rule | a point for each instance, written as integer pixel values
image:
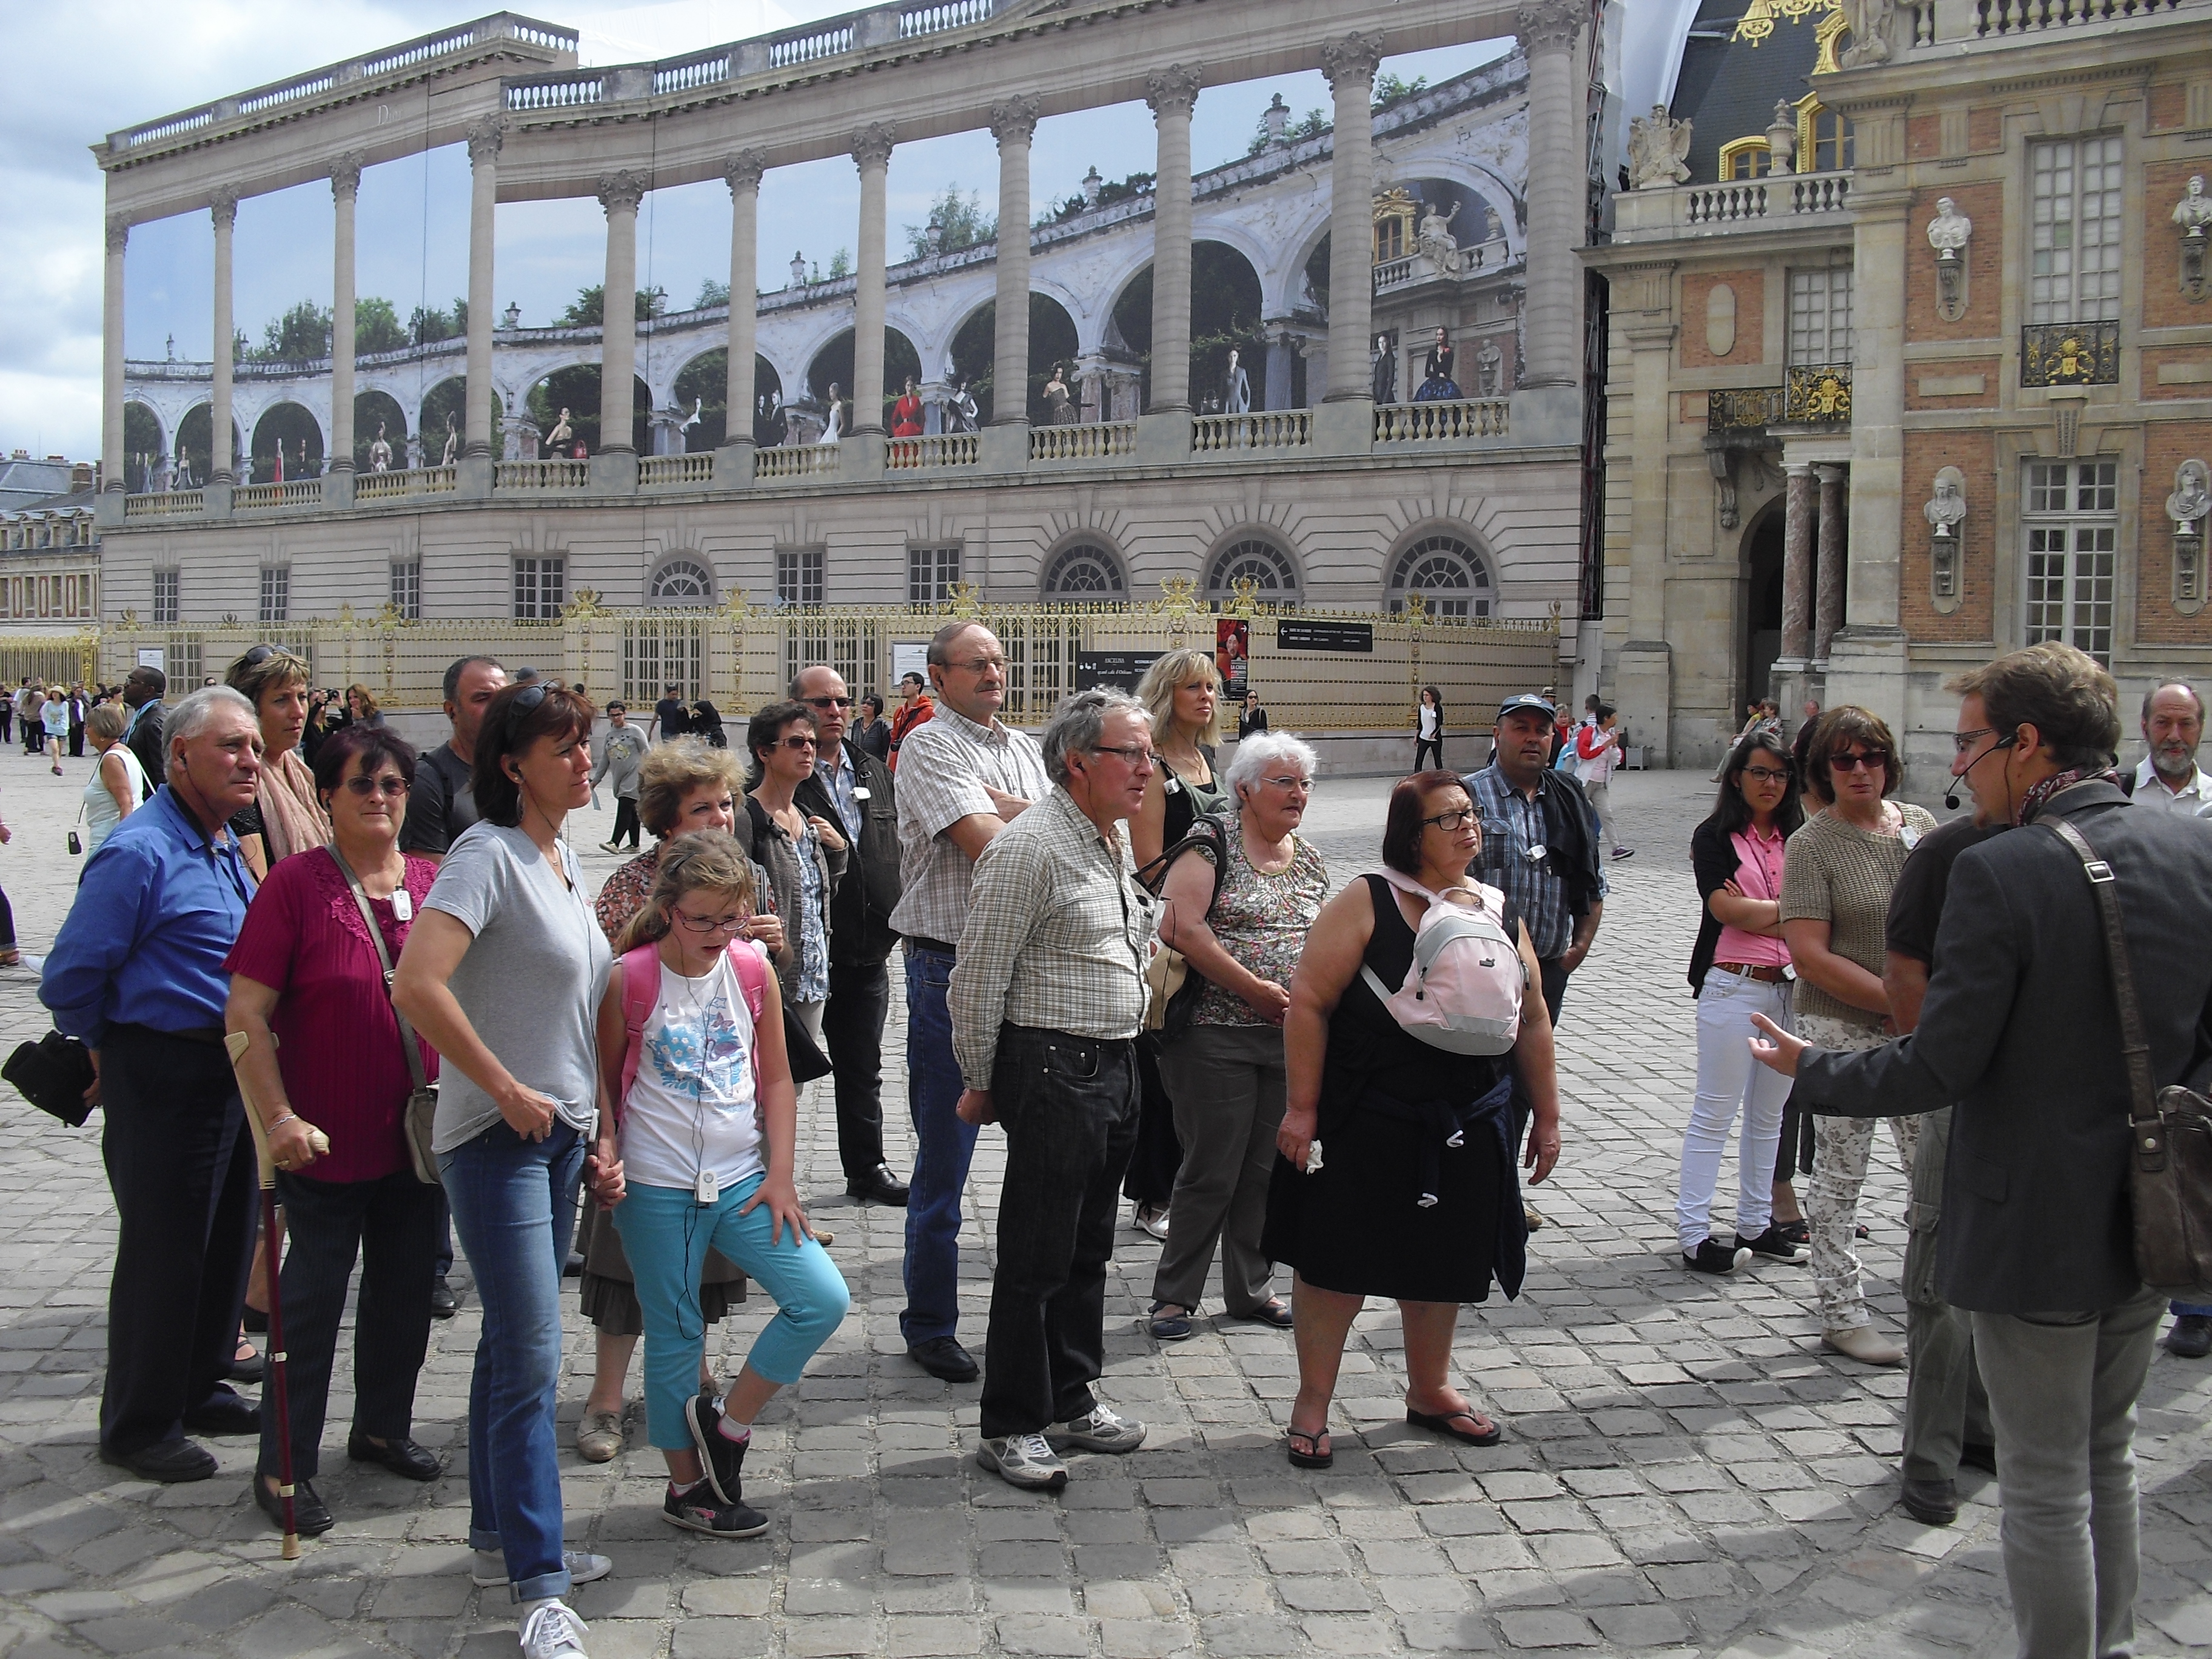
(2039, 794)
(292, 820)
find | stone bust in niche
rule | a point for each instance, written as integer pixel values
(1947, 507)
(1948, 232)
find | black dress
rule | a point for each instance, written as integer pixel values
(1388, 1104)
(1436, 382)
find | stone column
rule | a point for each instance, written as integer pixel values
(1796, 567)
(224, 211)
(345, 190)
(485, 137)
(1014, 123)
(112, 459)
(619, 194)
(1171, 93)
(1549, 387)
(1349, 64)
(734, 465)
(1829, 605)
(872, 152)
(1877, 508)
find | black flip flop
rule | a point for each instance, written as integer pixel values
(1442, 1424)
(1312, 1457)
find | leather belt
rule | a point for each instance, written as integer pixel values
(1765, 974)
(937, 944)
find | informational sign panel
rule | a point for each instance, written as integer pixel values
(154, 657)
(1324, 635)
(1233, 644)
(910, 657)
(1121, 670)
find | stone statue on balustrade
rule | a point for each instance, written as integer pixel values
(452, 444)
(1058, 408)
(1489, 363)
(1382, 371)
(414, 450)
(1658, 146)
(1436, 382)
(1433, 240)
(1868, 22)
(1781, 138)
(1493, 228)
(1235, 389)
(562, 434)
(835, 427)
(379, 450)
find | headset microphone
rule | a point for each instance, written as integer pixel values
(1951, 795)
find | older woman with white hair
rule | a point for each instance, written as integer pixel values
(1240, 929)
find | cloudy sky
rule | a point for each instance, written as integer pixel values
(414, 213)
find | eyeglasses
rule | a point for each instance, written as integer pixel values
(692, 924)
(390, 784)
(1450, 821)
(1767, 773)
(981, 664)
(827, 702)
(1963, 742)
(1858, 759)
(1292, 782)
(1134, 755)
(796, 742)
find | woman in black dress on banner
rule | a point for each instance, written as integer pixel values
(1389, 1206)
(1436, 380)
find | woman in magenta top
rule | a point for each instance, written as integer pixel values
(1741, 967)
(324, 1054)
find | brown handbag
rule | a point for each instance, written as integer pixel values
(422, 1115)
(2170, 1129)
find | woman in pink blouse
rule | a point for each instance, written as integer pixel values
(1741, 967)
(324, 1052)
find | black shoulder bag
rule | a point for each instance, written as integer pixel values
(422, 1113)
(1173, 1003)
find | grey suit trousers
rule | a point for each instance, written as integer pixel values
(2063, 1389)
(1945, 1406)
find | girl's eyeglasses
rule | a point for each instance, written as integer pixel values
(692, 924)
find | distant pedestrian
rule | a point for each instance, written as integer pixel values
(914, 706)
(1429, 730)
(804, 853)
(672, 716)
(872, 731)
(117, 786)
(79, 706)
(622, 750)
(1252, 717)
(142, 690)
(1597, 757)
(54, 719)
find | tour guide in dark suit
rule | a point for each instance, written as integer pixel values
(2019, 1029)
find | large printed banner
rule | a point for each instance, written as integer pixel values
(1233, 644)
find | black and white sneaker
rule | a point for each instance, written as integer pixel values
(724, 1458)
(700, 1511)
(1775, 1245)
(1025, 1460)
(1714, 1257)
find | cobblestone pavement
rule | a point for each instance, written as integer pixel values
(1684, 1471)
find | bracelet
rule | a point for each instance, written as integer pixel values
(272, 1128)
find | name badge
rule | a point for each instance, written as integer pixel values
(402, 908)
(860, 794)
(1910, 837)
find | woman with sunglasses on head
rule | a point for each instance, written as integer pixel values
(1837, 879)
(503, 975)
(286, 817)
(804, 857)
(1416, 1198)
(1740, 967)
(699, 1153)
(324, 1054)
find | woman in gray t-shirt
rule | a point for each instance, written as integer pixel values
(503, 973)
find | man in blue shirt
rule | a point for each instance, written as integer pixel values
(137, 974)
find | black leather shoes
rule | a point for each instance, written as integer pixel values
(879, 1186)
(942, 1357)
(224, 1413)
(444, 1304)
(171, 1462)
(311, 1517)
(1931, 1502)
(2190, 1337)
(402, 1456)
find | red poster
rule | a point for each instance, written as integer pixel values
(1232, 637)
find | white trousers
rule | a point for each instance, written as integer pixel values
(1729, 1081)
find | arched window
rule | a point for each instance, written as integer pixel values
(1083, 570)
(1451, 577)
(682, 582)
(1746, 158)
(1269, 570)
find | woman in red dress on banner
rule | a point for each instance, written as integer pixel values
(906, 413)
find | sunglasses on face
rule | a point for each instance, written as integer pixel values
(798, 743)
(827, 703)
(390, 784)
(1870, 760)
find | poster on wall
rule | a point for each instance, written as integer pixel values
(1233, 640)
(155, 657)
(910, 657)
(1121, 670)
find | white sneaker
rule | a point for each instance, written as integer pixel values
(552, 1632)
(1103, 1430)
(489, 1569)
(1025, 1460)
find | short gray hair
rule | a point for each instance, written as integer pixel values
(1265, 749)
(193, 712)
(1079, 722)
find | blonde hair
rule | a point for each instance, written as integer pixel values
(706, 860)
(1170, 671)
(279, 671)
(108, 720)
(672, 770)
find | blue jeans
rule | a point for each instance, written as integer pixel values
(2182, 1309)
(943, 1147)
(514, 1205)
(666, 1234)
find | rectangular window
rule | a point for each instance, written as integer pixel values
(1821, 316)
(407, 589)
(930, 574)
(2071, 518)
(165, 596)
(276, 593)
(2074, 250)
(798, 575)
(541, 588)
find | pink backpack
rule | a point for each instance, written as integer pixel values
(1463, 992)
(641, 972)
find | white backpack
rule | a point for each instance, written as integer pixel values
(1463, 991)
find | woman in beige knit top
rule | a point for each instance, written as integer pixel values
(1836, 883)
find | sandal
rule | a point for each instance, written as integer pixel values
(1168, 1326)
(1442, 1422)
(1799, 1231)
(1316, 1455)
(1275, 1313)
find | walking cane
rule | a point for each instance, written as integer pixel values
(236, 1043)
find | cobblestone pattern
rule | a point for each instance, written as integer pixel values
(1684, 1471)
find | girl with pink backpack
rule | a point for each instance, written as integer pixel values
(700, 1150)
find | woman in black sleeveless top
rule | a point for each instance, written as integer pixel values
(1417, 1197)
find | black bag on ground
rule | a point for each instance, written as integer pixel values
(52, 1074)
